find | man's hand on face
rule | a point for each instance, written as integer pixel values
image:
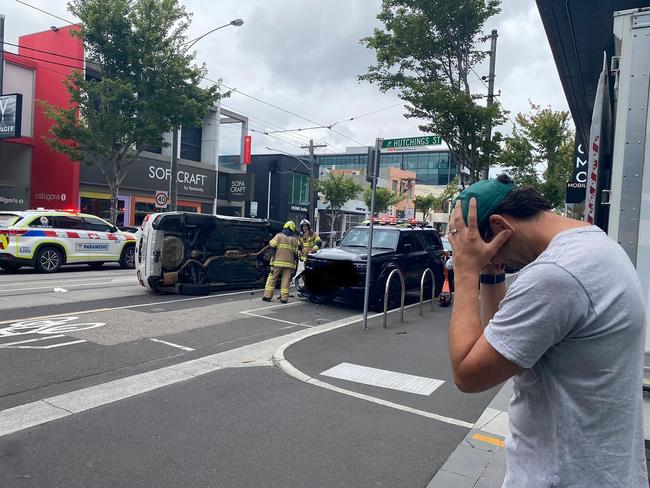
(471, 253)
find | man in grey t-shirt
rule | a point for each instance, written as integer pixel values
(570, 329)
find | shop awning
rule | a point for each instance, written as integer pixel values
(578, 32)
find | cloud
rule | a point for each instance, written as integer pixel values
(305, 56)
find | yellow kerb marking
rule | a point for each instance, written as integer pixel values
(490, 440)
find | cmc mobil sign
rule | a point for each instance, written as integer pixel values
(10, 115)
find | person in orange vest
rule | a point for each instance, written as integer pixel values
(286, 247)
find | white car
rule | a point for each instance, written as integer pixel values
(48, 239)
(194, 254)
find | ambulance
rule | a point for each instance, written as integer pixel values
(48, 239)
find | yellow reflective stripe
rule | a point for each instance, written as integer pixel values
(273, 243)
(287, 246)
(284, 264)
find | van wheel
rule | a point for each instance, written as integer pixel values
(127, 259)
(96, 265)
(194, 290)
(48, 260)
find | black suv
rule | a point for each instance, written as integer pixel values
(339, 272)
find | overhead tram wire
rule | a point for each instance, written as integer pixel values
(496, 99)
(45, 12)
(329, 127)
(206, 78)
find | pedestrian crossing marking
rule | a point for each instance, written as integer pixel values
(393, 380)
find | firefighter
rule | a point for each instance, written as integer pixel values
(310, 242)
(286, 247)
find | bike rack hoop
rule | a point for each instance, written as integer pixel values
(403, 293)
(433, 289)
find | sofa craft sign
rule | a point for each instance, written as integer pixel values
(239, 187)
(191, 181)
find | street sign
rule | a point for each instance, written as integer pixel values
(405, 143)
(253, 209)
(162, 199)
(370, 164)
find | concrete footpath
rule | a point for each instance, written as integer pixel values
(406, 367)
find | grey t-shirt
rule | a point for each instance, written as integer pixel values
(575, 320)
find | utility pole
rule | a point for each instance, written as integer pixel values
(312, 177)
(173, 186)
(490, 96)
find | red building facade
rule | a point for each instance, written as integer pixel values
(54, 177)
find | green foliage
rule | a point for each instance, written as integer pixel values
(384, 198)
(543, 140)
(427, 51)
(147, 85)
(337, 190)
(432, 203)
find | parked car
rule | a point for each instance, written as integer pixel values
(194, 254)
(48, 239)
(339, 273)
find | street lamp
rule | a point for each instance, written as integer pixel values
(173, 187)
(235, 23)
(310, 213)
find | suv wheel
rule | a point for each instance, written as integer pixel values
(48, 260)
(127, 260)
(10, 267)
(394, 296)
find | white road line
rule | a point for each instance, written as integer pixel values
(125, 307)
(60, 344)
(383, 378)
(58, 279)
(285, 305)
(276, 320)
(135, 282)
(32, 340)
(257, 354)
(178, 346)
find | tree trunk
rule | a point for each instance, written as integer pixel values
(114, 204)
(333, 215)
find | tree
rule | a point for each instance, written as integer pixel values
(147, 84)
(337, 189)
(431, 203)
(427, 52)
(384, 198)
(542, 143)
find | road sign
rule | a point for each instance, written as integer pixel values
(405, 143)
(162, 199)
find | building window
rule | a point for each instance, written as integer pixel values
(191, 143)
(299, 189)
(394, 185)
(222, 187)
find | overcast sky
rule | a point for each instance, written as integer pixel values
(304, 56)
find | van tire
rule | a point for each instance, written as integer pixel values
(48, 259)
(194, 290)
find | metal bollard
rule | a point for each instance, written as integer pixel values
(433, 289)
(403, 293)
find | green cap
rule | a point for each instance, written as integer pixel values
(489, 194)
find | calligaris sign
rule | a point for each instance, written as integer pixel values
(11, 109)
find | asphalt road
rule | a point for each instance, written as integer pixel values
(104, 384)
